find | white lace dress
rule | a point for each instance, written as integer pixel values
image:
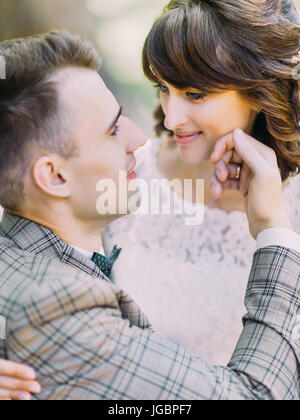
(189, 280)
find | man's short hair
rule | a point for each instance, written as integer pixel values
(31, 118)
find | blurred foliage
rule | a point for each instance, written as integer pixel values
(121, 31)
(117, 27)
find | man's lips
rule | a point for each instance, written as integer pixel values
(186, 138)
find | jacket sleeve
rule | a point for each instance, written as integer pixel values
(73, 334)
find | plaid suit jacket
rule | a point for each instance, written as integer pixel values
(87, 339)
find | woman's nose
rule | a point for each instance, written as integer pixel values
(175, 115)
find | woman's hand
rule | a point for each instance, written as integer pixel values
(260, 181)
(17, 382)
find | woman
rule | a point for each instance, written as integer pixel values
(218, 66)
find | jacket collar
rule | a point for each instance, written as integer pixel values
(36, 239)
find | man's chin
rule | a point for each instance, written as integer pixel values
(133, 200)
(114, 207)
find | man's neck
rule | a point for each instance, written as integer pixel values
(84, 234)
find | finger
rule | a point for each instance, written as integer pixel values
(256, 158)
(265, 151)
(223, 145)
(231, 184)
(14, 395)
(19, 385)
(221, 171)
(241, 184)
(216, 188)
(16, 370)
(254, 153)
(224, 172)
(236, 158)
(245, 179)
(232, 169)
(231, 156)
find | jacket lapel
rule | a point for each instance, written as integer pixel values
(36, 239)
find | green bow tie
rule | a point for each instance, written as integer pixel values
(106, 264)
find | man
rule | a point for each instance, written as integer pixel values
(61, 132)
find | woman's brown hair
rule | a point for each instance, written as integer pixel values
(244, 45)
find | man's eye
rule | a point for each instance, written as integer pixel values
(195, 96)
(162, 88)
(116, 130)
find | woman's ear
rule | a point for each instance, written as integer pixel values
(49, 177)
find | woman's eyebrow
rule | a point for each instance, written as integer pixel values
(115, 120)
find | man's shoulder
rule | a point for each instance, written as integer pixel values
(34, 281)
(28, 265)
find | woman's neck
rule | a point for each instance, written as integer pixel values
(172, 166)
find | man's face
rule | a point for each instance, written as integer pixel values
(106, 141)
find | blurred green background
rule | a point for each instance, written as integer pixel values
(118, 27)
(122, 28)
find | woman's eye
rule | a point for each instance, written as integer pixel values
(195, 96)
(116, 130)
(162, 88)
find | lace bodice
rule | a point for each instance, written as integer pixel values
(189, 280)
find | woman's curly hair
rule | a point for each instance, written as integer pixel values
(246, 45)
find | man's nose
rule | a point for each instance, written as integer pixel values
(175, 114)
(136, 137)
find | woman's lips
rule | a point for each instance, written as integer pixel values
(186, 138)
(132, 175)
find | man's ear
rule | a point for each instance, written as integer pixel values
(50, 177)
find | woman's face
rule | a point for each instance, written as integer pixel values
(198, 121)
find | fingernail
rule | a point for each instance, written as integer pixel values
(29, 374)
(219, 174)
(24, 397)
(35, 388)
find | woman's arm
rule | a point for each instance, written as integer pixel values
(17, 381)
